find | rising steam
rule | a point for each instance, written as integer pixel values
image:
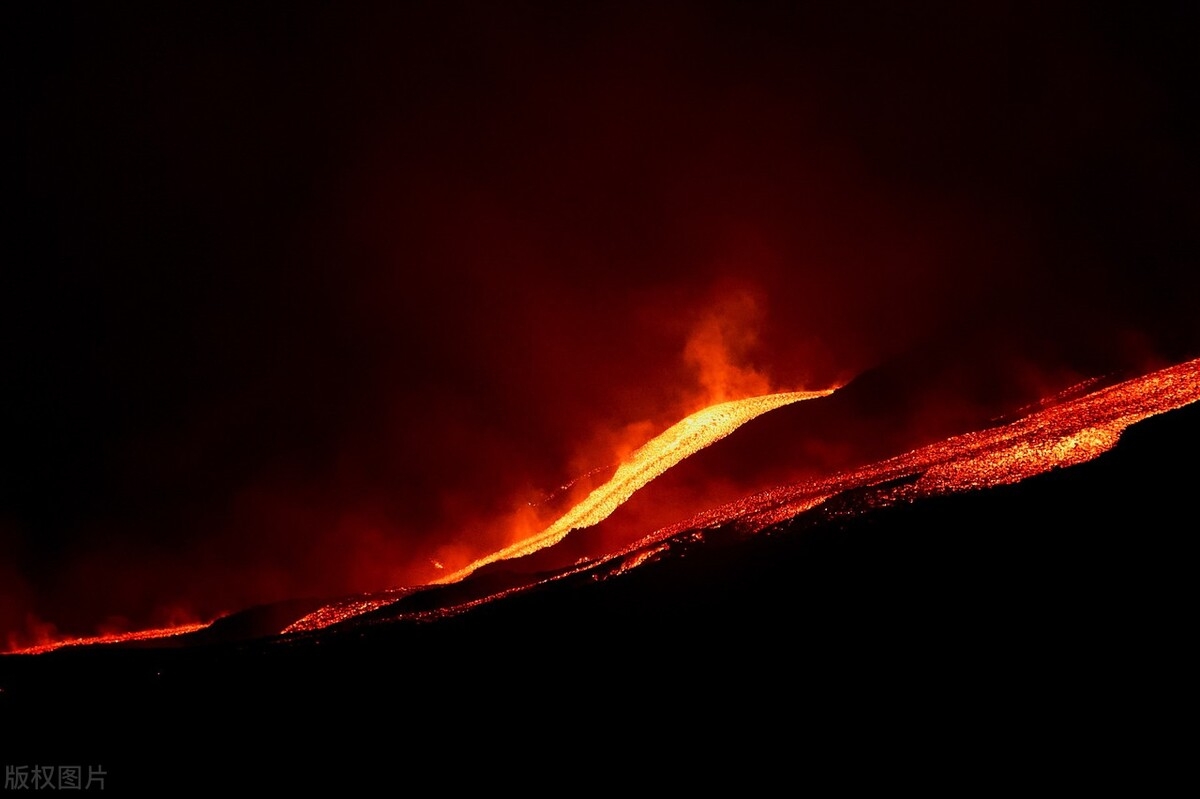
(719, 346)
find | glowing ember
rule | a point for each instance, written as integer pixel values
(638, 558)
(335, 612)
(649, 461)
(116, 638)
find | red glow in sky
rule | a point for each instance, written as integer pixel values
(300, 301)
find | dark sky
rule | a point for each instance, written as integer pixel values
(295, 300)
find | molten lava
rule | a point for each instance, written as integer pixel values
(1057, 436)
(1060, 432)
(650, 460)
(114, 638)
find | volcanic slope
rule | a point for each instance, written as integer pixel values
(954, 579)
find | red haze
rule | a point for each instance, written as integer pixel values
(302, 303)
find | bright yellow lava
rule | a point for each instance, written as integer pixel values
(650, 460)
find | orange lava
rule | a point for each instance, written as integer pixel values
(335, 612)
(1060, 431)
(1057, 436)
(650, 460)
(116, 638)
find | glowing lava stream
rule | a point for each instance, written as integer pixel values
(650, 460)
(1056, 436)
(112, 638)
(1064, 431)
(1058, 432)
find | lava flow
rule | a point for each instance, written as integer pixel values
(647, 462)
(114, 638)
(1057, 436)
(1063, 431)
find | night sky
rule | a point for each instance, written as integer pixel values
(294, 301)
